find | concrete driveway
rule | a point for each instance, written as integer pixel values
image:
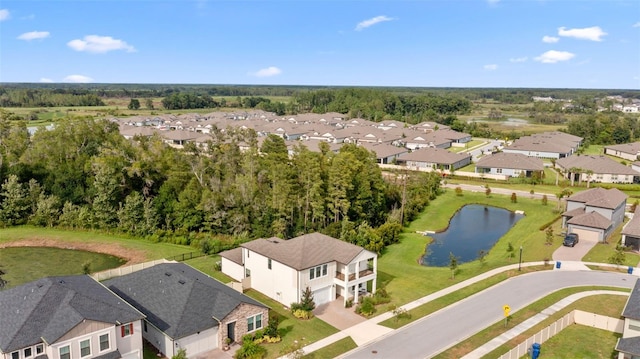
(337, 315)
(574, 253)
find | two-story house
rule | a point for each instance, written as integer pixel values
(283, 269)
(628, 346)
(594, 214)
(70, 317)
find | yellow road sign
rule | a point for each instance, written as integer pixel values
(506, 309)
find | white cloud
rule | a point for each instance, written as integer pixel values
(593, 33)
(637, 24)
(518, 59)
(370, 22)
(550, 39)
(267, 72)
(80, 79)
(491, 67)
(4, 14)
(99, 44)
(45, 79)
(34, 35)
(553, 56)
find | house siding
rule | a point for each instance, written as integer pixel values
(199, 343)
(158, 339)
(232, 269)
(280, 282)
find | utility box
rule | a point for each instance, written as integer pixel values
(630, 270)
(535, 350)
(558, 264)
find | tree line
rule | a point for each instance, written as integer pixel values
(84, 175)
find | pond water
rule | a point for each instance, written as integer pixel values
(472, 229)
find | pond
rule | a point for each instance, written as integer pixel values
(472, 229)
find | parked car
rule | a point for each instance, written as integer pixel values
(571, 240)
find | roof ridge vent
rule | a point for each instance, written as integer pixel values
(182, 281)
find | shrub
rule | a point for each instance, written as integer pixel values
(366, 307)
(272, 327)
(302, 314)
(458, 191)
(401, 313)
(250, 350)
(349, 303)
(182, 354)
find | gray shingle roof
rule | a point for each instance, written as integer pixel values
(234, 255)
(306, 251)
(632, 308)
(630, 148)
(511, 160)
(433, 155)
(629, 345)
(178, 299)
(591, 219)
(49, 308)
(597, 164)
(632, 228)
(600, 197)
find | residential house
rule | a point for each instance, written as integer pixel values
(593, 168)
(594, 214)
(283, 269)
(628, 346)
(385, 153)
(631, 231)
(628, 151)
(434, 158)
(67, 317)
(546, 145)
(186, 309)
(510, 164)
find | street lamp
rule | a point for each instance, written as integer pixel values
(520, 263)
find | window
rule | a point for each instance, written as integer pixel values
(126, 329)
(85, 348)
(65, 353)
(39, 349)
(247, 272)
(269, 263)
(104, 342)
(317, 272)
(15, 355)
(28, 352)
(254, 322)
(145, 326)
(498, 170)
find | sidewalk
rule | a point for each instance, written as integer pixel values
(370, 329)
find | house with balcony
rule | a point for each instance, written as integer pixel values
(283, 269)
(68, 317)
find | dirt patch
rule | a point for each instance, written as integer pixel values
(132, 256)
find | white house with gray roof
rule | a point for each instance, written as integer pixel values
(628, 151)
(546, 145)
(594, 214)
(593, 168)
(510, 164)
(283, 269)
(434, 158)
(186, 309)
(68, 317)
(631, 231)
(628, 346)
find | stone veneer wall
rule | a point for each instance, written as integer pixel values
(240, 315)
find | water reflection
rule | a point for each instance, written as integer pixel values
(472, 229)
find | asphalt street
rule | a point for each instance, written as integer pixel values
(435, 333)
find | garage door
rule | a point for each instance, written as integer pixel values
(322, 296)
(586, 235)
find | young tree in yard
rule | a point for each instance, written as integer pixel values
(514, 198)
(549, 236)
(453, 264)
(134, 104)
(510, 251)
(487, 190)
(545, 200)
(618, 256)
(458, 191)
(307, 302)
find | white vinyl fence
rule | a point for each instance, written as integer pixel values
(116, 272)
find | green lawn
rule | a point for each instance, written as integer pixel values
(335, 349)
(26, 264)
(610, 305)
(404, 278)
(579, 341)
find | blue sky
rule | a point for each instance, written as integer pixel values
(446, 43)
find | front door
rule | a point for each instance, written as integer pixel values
(231, 331)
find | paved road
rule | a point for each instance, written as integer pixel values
(439, 331)
(476, 153)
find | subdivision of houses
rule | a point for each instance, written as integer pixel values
(68, 317)
(510, 164)
(186, 309)
(552, 145)
(594, 168)
(283, 269)
(594, 214)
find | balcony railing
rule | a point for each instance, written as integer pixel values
(352, 276)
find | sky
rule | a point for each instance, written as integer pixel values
(419, 43)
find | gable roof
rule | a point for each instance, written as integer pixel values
(632, 308)
(511, 160)
(49, 308)
(305, 251)
(630, 148)
(600, 197)
(434, 155)
(591, 219)
(632, 228)
(178, 299)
